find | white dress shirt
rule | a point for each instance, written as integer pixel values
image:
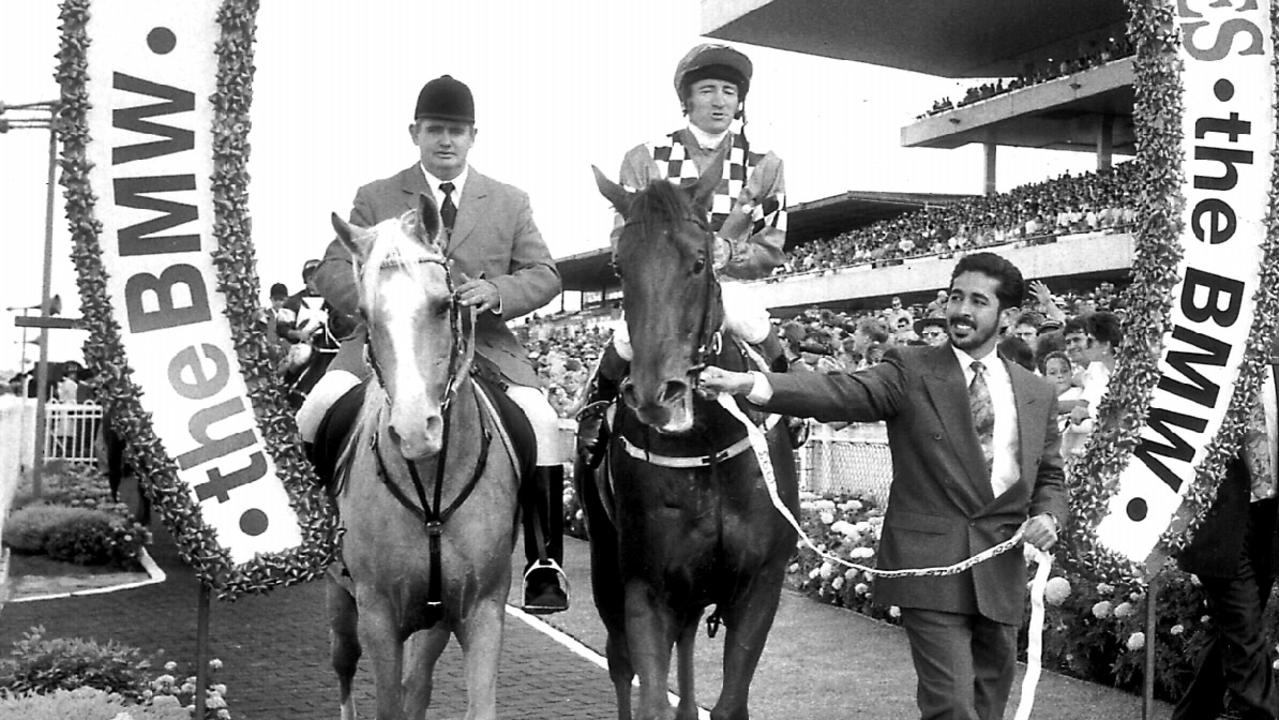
(1005, 440)
(458, 183)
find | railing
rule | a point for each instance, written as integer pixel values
(71, 433)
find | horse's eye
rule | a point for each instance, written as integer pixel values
(699, 266)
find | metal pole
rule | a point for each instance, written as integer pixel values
(42, 372)
(1148, 678)
(201, 651)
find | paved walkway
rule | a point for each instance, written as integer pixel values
(822, 663)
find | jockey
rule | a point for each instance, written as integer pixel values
(711, 82)
(505, 271)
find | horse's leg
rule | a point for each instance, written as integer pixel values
(344, 642)
(748, 619)
(684, 669)
(619, 668)
(421, 651)
(480, 635)
(380, 635)
(651, 630)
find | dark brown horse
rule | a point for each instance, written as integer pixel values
(686, 522)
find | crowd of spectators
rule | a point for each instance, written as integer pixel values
(826, 340)
(1095, 55)
(1102, 201)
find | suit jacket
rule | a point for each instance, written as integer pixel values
(494, 235)
(941, 508)
(1217, 547)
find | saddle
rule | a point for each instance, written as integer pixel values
(334, 432)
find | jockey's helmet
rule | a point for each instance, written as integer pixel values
(710, 60)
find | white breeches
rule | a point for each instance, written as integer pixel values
(545, 422)
(745, 318)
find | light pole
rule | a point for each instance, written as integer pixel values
(39, 116)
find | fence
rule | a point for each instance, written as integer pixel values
(71, 433)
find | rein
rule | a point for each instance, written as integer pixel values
(433, 514)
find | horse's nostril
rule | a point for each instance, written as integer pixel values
(629, 396)
(673, 390)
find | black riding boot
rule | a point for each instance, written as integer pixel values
(592, 431)
(545, 585)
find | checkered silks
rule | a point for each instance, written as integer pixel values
(675, 165)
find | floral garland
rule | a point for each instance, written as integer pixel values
(1158, 111)
(237, 280)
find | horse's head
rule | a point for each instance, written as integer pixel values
(416, 343)
(666, 256)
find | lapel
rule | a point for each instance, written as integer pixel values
(1029, 421)
(468, 210)
(413, 183)
(944, 382)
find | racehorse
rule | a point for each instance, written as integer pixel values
(686, 521)
(428, 503)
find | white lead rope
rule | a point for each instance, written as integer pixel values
(759, 443)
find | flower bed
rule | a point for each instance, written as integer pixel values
(1093, 630)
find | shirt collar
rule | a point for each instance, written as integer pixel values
(966, 361)
(458, 183)
(706, 140)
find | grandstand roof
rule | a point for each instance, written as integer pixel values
(950, 38)
(825, 217)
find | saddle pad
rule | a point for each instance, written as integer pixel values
(332, 433)
(516, 423)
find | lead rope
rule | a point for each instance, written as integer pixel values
(759, 443)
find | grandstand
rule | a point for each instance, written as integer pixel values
(1060, 78)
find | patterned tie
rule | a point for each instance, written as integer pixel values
(983, 413)
(1257, 453)
(448, 211)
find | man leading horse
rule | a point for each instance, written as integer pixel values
(506, 272)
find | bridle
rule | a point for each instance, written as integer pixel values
(434, 514)
(710, 338)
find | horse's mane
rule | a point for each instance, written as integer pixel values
(398, 249)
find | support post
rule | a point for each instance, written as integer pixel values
(989, 187)
(1148, 677)
(42, 370)
(201, 651)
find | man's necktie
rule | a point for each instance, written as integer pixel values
(448, 211)
(1257, 451)
(983, 413)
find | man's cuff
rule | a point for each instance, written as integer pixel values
(762, 391)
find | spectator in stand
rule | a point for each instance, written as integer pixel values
(937, 308)
(1026, 328)
(1074, 427)
(932, 330)
(895, 314)
(869, 330)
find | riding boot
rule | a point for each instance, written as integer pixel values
(592, 430)
(545, 585)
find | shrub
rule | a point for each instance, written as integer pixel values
(81, 487)
(40, 665)
(88, 704)
(79, 535)
(27, 530)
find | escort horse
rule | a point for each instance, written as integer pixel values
(427, 493)
(680, 518)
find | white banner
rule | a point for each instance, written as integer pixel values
(1228, 131)
(152, 70)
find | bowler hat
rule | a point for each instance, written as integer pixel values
(922, 323)
(445, 99)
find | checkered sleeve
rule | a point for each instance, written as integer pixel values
(762, 250)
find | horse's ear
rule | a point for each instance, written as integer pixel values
(619, 196)
(354, 239)
(702, 193)
(428, 219)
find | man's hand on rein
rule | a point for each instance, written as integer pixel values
(715, 380)
(480, 294)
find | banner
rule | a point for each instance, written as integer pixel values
(159, 103)
(1227, 137)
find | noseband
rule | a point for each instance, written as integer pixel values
(709, 337)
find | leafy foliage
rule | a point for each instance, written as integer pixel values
(43, 665)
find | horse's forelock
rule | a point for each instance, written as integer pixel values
(661, 203)
(395, 247)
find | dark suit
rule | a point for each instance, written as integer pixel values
(1233, 554)
(941, 510)
(494, 236)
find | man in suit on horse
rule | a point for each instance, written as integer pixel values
(506, 270)
(711, 82)
(975, 451)
(1233, 554)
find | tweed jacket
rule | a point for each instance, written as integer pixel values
(494, 236)
(941, 508)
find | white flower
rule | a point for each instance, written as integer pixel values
(1136, 641)
(215, 664)
(1134, 596)
(794, 568)
(812, 574)
(826, 570)
(219, 688)
(1124, 609)
(894, 612)
(843, 527)
(1105, 588)
(122, 715)
(1205, 619)
(213, 702)
(827, 517)
(837, 583)
(224, 714)
(861, 588)
(1101, 610)
(851, 574)
(1176, 629)
(1057, 590)
(170, 666)
(861, 553)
